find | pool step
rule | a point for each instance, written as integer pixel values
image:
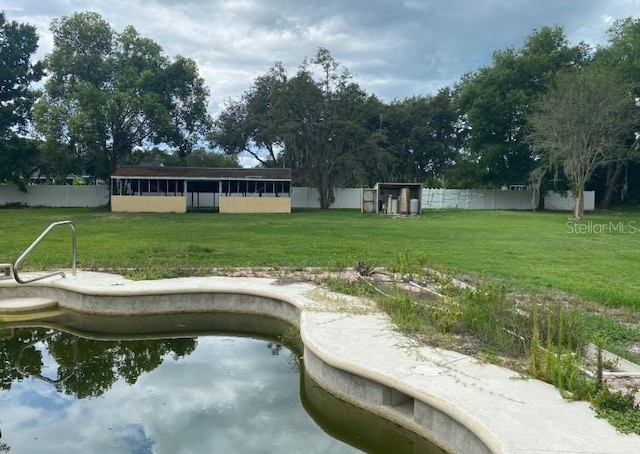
(11, 306)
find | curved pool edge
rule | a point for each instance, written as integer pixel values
(460, 404)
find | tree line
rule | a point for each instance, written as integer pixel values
(548, 114)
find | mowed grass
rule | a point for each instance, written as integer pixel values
(597, 260)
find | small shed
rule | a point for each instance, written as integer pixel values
(179, 189)
(393, 198)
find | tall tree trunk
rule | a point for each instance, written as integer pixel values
(612, 181)
(578, 213)
(536, 177)
(325, 189)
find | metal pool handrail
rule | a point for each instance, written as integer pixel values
(36, 242)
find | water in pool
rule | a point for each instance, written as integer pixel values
(61, 393)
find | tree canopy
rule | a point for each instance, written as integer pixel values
(110, 92)
(199, 157)
(18, 43)
(495, 101)
(425, 136)
(85, 368)
(255, 123)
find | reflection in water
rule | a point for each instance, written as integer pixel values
(228, 394)
(188, 394)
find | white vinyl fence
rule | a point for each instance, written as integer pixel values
(560, 202)
(310, 198)
(476, 199)
(468, 199)
(55, 195)
(498, 199)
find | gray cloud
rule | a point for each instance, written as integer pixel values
(396, 48)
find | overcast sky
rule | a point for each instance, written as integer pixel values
(396, 48)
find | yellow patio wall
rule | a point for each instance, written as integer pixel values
(255, 204)
(146, 204)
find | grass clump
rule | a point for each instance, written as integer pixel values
(358, 287)
(619, 409)
(555, 356)
(488, 315)
(405, 265)
(407, 314)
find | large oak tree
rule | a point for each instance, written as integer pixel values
(110, 92)
(325, 123)
(312, 122)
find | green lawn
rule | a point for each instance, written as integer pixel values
(594, 260)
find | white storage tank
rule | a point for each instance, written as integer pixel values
(403, 202)
(394, 206)
(368, 201)
(414, 206)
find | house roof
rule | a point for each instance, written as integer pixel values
(398, 185)
(201, 173)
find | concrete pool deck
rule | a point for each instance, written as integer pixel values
(352, 350)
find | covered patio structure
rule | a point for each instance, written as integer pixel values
(179, 189)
